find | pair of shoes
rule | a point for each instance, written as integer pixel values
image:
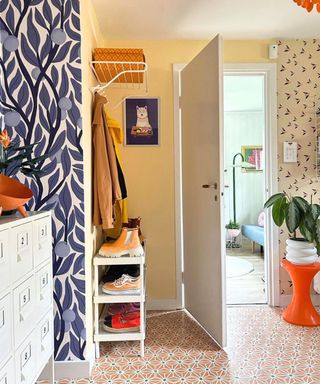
(121, 308)
(127, 244)
(116, 271)
(125, 322)
(125, 285)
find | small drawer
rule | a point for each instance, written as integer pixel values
(42, 240)
(44, 341)
(5, 328)
(7, 373)
(44, 290)
(24, 309)
(25, 361)
(5, 275)
(21, 250)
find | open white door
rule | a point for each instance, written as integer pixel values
(202, 186)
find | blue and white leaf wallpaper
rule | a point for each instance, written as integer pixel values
(40, 101)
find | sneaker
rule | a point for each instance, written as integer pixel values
(128, 244)
(116, 271)
(119, 308)
(125, 285)
(122, 323)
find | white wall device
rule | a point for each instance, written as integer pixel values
(273, 51)
(290, 152)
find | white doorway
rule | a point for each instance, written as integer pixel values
(268, 72)
(244, 192)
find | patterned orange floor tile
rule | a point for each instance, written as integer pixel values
(262, 349)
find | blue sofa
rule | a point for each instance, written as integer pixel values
(253, 233)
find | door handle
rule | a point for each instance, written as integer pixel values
(207, 186)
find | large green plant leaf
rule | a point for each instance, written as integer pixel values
(302, 203)
(309, 236)
(314, 211)
(293, 216)
(272, 200)
(309, 222)
(278, 210)
(317, 232)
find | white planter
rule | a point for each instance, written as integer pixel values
(233, 232)
(301, 252)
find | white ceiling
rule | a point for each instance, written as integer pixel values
(202, 19)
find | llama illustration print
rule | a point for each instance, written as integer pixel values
(142, 127)
(141, 121)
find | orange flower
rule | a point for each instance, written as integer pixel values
(5, 139)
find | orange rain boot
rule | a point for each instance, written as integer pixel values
(127, 244)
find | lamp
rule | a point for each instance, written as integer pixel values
(308, 4)
(243, 164)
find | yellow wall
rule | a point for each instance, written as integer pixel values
(91, 38)
(149, 171)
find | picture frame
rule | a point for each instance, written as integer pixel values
(252, 154)
(142, 121)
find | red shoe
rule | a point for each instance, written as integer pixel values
(126, 322)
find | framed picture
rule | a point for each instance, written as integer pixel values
(253, 154)
(142, 121)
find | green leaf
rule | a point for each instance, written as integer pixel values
(309, 223)
(273, 199)
(35, 160)
(302, 204)
(278, 210)
(25, 147)
(314, 211)
(317, 232)
(293, 216)
(306, 233)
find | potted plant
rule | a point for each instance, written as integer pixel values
(13, 159)
(233, 229)
(303, 223)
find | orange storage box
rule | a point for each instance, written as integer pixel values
(106, 72)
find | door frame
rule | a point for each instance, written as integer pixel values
(269, 70)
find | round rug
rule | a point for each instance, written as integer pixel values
(236, 266)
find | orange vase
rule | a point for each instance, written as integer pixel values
(13, 195)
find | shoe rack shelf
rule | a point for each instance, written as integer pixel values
(101, 260)
(100, 298)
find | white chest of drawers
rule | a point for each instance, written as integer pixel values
(26, 306)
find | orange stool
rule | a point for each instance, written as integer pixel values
(301, 310)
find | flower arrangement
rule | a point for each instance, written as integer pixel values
(15, 158)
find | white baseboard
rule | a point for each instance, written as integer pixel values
(80, 369)
(161, 304)
(286, 299)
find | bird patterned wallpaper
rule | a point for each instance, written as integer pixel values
(298, 88)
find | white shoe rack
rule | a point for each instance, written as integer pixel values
(100, 299)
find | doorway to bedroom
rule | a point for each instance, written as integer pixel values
(244, 189)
